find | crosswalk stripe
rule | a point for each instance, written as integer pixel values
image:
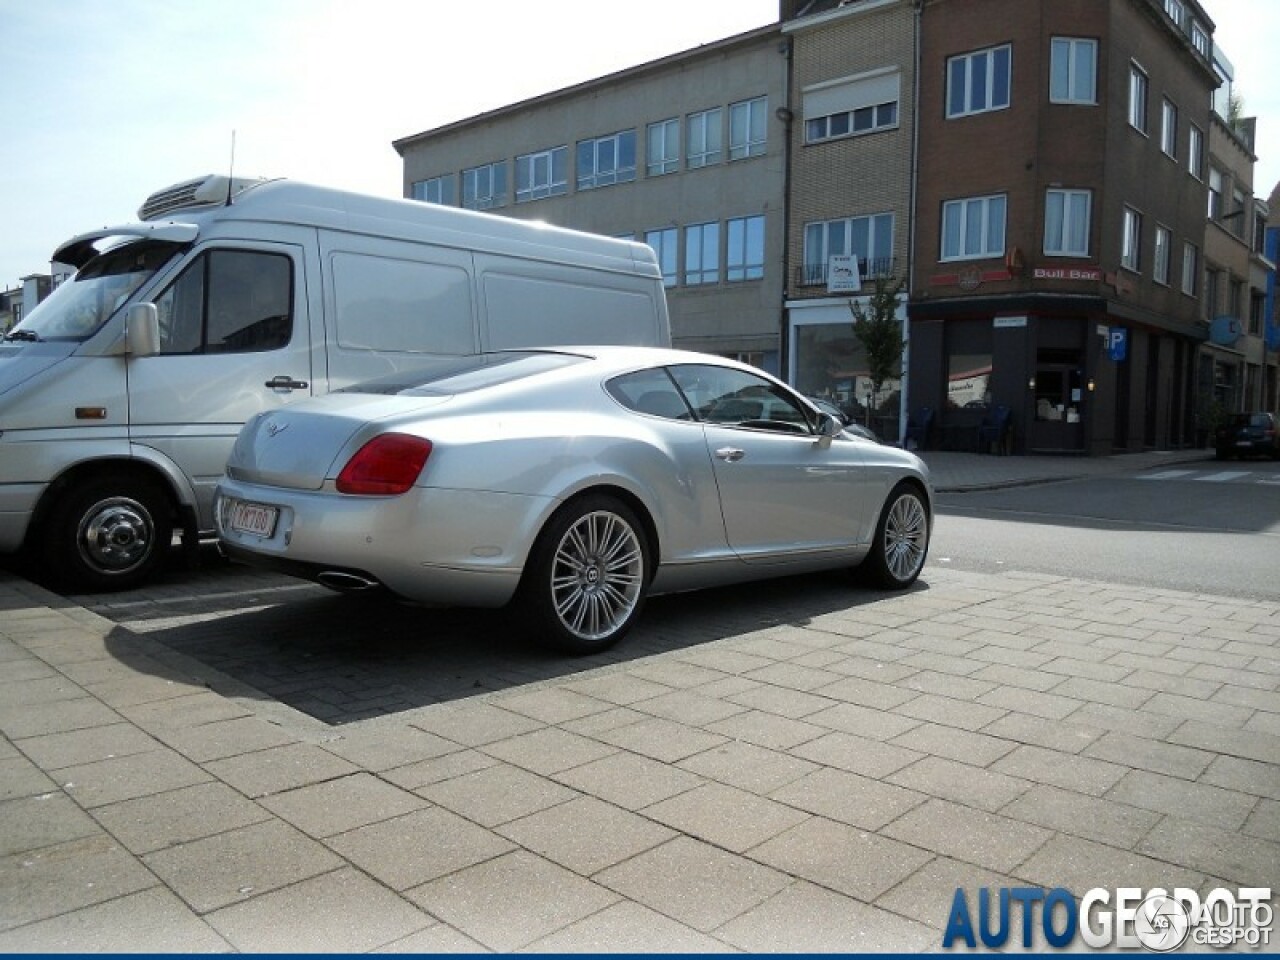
(1224, 477)
(1166, 475)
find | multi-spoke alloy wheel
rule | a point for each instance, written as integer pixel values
(587, 576)
(902, 540)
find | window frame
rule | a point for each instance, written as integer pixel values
(756, 141)
(660, 132)
(438, 190)
(496, 195)
(667, 247)
(1195, 151)
(816, 255)
(987, 250)
(551, 187)
(710, 125)
(1169, 128)
(1131, 240)
(744, 254)
(1071, 96)
(695, 272)
(1064, 249)
(1190, 268)
(1162, 256)
(1139, 94)
(602, 171)
(969, 60)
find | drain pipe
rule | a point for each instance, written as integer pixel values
(904, 402)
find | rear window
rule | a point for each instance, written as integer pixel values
(453, 375)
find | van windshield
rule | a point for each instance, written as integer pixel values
(79, 307)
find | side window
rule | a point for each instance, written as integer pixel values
(228, 301)
(650, 392)
(738, 398)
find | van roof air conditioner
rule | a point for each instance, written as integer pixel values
(210, 191)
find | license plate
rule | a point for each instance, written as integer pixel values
(253, 518)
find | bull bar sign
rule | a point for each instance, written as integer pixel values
(1067, 273)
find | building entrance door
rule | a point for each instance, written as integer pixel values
(1058, 419)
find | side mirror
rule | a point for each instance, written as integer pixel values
(829, 426)
(142, 330)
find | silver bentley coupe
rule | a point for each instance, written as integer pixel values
(570, 482)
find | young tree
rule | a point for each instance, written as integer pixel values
(878, 329)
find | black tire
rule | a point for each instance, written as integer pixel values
(902, 540)
(108, 533)
(585, 581)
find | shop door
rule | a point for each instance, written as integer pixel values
(1058, 417)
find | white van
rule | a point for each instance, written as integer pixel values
(122, 393)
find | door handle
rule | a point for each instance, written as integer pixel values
(730, 454)
(285, 383)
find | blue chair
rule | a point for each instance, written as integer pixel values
(994, 430)
(918, 428)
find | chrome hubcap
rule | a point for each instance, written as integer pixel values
(597, 575)
(116, 535)
(906, 536)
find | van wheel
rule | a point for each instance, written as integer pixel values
(901, 542)
(110, 533)
(585, 580)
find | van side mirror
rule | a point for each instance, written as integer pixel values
(142, 330)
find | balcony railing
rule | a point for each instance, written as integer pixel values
(869, 268)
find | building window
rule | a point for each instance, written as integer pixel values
(1257, 312)
(607, 160)
(1169, 129)
(484, 188)
(542, 174)
(1175, 10)
(1235, 298)
(1215, 194)
(852, 105)
(1260, 230)
(1212, 289)
(1073, 70)
(744, 256)
(870, 239)
(704, 140)
(973, 228)
(1131, 242)
(1066, 223)
(1137, 98)
(664, 243)
(1200, 39)
(1163, 253)
(702, 254)
(1235, 216)
(1190, 268)
(748, 129)
(1195, 152)
(883, 116)
(662, 146)
(436, 190)
(978, 82)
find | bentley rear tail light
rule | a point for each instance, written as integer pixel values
(386, 465)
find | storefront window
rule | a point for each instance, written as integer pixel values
(968, 380)
(831, 363)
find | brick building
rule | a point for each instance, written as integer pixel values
(1060, 219)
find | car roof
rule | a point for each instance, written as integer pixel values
(624, 357)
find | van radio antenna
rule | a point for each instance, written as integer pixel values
(231, 168)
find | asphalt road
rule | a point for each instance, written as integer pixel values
(1211, 527)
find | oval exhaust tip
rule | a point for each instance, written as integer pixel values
(346, 582)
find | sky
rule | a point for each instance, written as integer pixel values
(105, 103)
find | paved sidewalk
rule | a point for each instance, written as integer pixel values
(959, 472)
(788, 768)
